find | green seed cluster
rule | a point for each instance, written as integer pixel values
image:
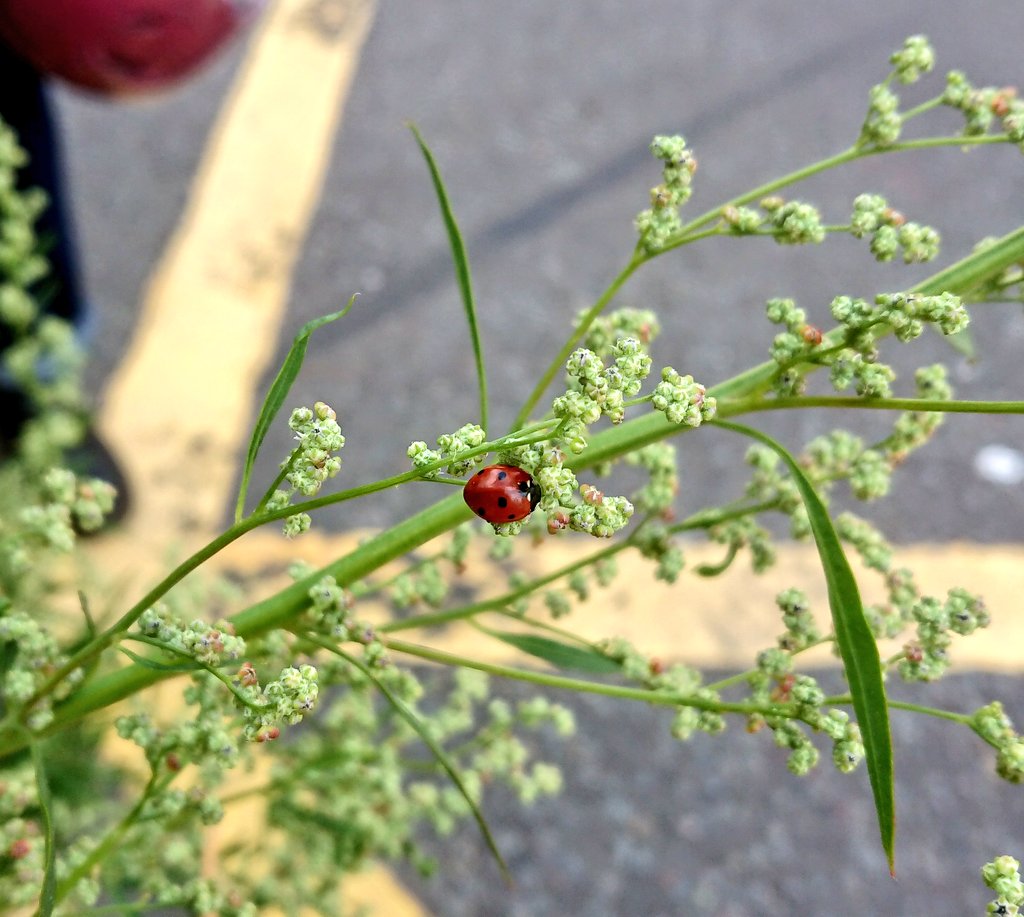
(801, 629)
(1002, 875)
(913, 60)
(44, 358)
(682, 400)
(657, 225)
(607, 330)
(211, 645)
(594, 390)
(926, 657)
(883, 122)
(996, 728)
(450, 445)
(655, 543)
(851, 352)
(21, 841)
(981, 107)
(311, 463)
(890, 232)
(742, 533)
(657, 495)
(793, 222)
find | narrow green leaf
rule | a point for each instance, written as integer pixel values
(561, 655)
(90, 624)
(856, 643)
(438, 752)
(278, 393)
(461, 261)
(48, 895)
(154, 666)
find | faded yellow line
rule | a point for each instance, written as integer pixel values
(178, 409)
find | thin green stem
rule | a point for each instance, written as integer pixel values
(962, 718)
(435, 618)
(921, 109)
(741, 677)
(732, 408)
(114, 836)
(281, 473)
(582, 327)
(582, 686)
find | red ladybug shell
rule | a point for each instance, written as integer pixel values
(501, 493)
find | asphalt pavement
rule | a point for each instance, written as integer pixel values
(539, 116)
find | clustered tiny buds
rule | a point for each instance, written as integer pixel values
(890, 231)
(801, 630)
(996, 728)
(606, 331)
(658, 494)
(854, 362)
(285, 700)
(38, 654)
(467, 437)
(794, 222)
(926, 657)
(1002, 875)
(980, 107)
(311, 463)
(676, 679)
(595, 390)
(682, 400)
(883, 123)
(657, 225)
(913, 60)
(655, 543)
(209, 644)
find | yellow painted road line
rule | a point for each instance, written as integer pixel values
(178, 410)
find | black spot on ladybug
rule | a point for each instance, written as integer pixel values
(502, 502)
(481, 512)
(502, 475)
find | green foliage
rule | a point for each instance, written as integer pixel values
(361, 754)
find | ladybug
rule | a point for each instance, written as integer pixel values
(501, 493)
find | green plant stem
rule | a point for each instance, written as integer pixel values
(921, 109)
(588, 318)
(114, 836)
(733, 408)
(435, 618)
(741, 677)
(845, 700)
(582, 686)
(269, 492)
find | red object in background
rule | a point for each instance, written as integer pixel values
(120, 47)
